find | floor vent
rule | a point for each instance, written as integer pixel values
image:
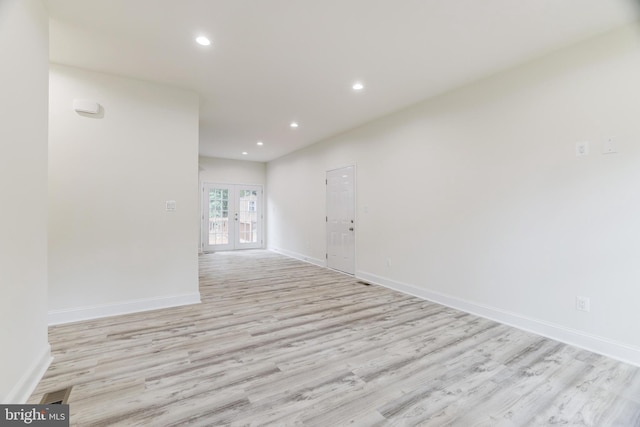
(360, 282)
(59, 397)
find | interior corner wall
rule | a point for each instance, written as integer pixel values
(114, 247)
(477, 199)
(24, 43)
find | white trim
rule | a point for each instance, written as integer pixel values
(290, 254)
(57, 317)
(342, 166)
(20, 393)
(604, 346)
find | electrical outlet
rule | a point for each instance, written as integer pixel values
(609, 147)
(583, 303)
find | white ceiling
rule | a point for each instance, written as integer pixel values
(275, 61)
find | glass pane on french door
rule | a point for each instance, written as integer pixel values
(218, 201)
(248, 218)
(218, 216)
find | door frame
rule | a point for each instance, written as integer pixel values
(204, 217)
(355, 217)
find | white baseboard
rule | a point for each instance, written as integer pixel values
(301, 257)
(57, 317)
(30, 379)
(596, 344)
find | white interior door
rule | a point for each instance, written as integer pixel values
(232, 217)
(341, 219)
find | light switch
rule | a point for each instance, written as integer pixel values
(170, 205)
(582, 148)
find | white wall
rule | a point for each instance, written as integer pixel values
(478, 199)
(227, 171)
(24, 43)
(112, 246)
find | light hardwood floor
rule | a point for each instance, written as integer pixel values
(280, 342)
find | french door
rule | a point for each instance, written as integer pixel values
(341, 219)
(232, 217)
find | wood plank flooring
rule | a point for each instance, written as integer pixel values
(283, 343)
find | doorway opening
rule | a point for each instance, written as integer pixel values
(232, 217)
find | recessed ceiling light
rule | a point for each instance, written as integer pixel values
(202, 40)
(260, 143)
(357, 86)
(294, 125)
(244, 153)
